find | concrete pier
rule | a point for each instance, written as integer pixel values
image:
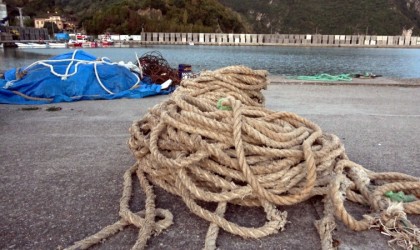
(280, 39)
(9, 33)
(62, 172)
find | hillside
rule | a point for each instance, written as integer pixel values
(131, 16)
(232, 16)
(330, 16)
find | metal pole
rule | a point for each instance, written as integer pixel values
(20, 16)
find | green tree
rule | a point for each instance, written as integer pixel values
(185, 17)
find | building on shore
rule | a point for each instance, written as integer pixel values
(62, 23)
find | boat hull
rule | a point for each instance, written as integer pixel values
(31, 45)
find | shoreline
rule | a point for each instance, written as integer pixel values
(378, 81)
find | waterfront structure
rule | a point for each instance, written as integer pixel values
(3, 13)
(17, 33)
(280, 39)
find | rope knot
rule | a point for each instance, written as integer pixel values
(222, 104)
(393, 222)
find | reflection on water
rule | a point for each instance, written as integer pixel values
(12, 57)
(389, 62)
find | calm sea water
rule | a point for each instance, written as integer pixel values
(389, 62)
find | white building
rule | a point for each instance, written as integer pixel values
(39, 22)
(3, 11)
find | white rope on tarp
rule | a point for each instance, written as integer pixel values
(76, 62)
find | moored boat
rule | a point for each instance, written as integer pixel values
(31, 45)
(106, 41)
(89, 44)
(75, 43)
(93, 44)
(58, 45)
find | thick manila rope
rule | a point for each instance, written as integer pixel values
(234, 151)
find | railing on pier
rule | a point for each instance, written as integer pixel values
(279, 39)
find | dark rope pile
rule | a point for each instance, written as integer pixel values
(157, 68)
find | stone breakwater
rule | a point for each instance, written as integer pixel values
(280, 39)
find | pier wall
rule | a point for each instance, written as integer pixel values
(279, 39)
(11, 33)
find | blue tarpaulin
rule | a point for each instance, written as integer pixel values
(74, 76)
(62, 36)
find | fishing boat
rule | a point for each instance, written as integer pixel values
(75, 43)
(56, 45)
(31, 45)
(93, 44)
(107, 43)
(106, 40)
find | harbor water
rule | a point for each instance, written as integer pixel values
(287, 61)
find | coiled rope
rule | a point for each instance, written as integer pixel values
(247, 155)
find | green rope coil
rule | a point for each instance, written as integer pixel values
(220, 106)
(400, 196)
(324, 77)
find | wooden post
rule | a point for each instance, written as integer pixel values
(195, 37)
(206, 38)
(190, 37)
(172, 38)
(260, 39)
(361, 40)
(367, 40)
(348, 40)
(286, 39)
(201, 38)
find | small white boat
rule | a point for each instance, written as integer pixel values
(31, 45)
(191, 43)
(106, 40)
(75, 43)
(57, 45)
(23, 45)
(39, 45)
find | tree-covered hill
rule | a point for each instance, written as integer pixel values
(380, 17)
(131, 16)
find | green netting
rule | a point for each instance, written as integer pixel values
(324, 77)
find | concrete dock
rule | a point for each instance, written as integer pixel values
(300, 40)
(61, 171)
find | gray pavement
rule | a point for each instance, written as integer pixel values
(61, 172)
